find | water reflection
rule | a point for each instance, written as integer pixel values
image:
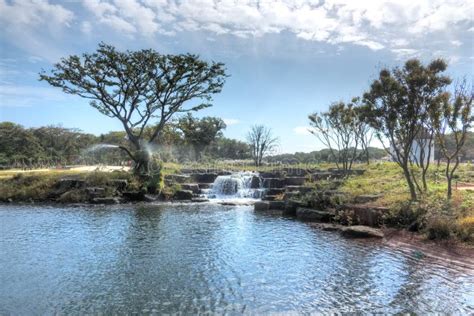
(207, 258)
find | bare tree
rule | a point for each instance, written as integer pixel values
(337, 129)
(261, 142)
(139, 88)
(452, 117)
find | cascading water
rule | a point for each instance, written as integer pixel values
(240, 185)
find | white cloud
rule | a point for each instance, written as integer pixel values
(231, 121)
(374, 24)
(302, 130)
(33, 13)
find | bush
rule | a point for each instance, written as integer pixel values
(465, 228)
(439, 227)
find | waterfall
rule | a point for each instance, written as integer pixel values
(246, 185)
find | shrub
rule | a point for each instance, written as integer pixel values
(439, 227)
(465, 228)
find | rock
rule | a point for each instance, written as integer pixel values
(204, 177)
(68, 184)
(363, 215)
(150, 198)
(291, 206)
(119, 184)
(328, 226)
(255, 183)
(272, 183)
(199, 200)
(105, 200)
(204, 186)
(275, 191)
(270, 197)
(177, 178)
(261, 206)
(295, 180)
(74, 196)
(267, 175)
(183, 195)
(134, 195)
(194, 187)
(324, 175)
(358, 171)
(360, 231)
(307, 214)
(276, 205)
(295, 172)
(367, 198)
(95, 192)
(291, 195)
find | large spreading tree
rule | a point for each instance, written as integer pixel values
(139, 88)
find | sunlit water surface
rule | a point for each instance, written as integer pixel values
(208, 258)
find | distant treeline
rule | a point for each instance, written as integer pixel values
(56, 145)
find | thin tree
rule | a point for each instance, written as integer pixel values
(452, 118)
(261, 142)
(399, 100)
(336, 129)
(139, 88)
(363, 129)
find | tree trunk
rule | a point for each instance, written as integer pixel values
(411, 186)
(450, 188)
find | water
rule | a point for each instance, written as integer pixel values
(208, 258)
(236, 187)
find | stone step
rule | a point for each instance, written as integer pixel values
(171, 179)
(194, 187)
(275, 191)
(295, 180)
(204, 177)
(273, 183)
(270, 197)
(261, 206)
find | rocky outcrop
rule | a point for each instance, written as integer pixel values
(359, 231)
(177, 178)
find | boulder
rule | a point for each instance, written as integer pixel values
(204, 177)
(295, 172)
(310, 215)
(255, 183)
(261, 206)
(194, 187)
(199, 200)
(359, 231)
(105, 200)
(276, 205)
(295, 180)
(183, 195)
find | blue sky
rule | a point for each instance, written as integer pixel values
(286, 59)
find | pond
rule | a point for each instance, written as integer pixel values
(199, 258)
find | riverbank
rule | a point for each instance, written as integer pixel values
(372, 195)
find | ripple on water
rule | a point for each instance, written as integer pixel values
(208, 258)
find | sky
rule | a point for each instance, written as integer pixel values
(286, 59)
